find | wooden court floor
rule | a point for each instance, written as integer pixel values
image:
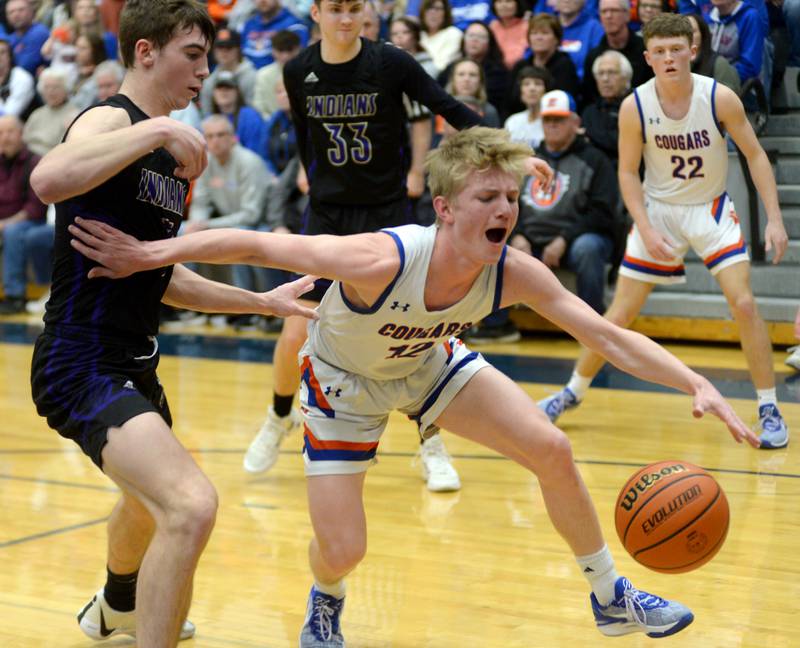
(479, 568)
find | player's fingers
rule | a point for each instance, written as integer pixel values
(308, 313)
(94, 227)
(85, 250)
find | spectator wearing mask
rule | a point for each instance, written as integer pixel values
(21, 215)
(228, 55)
(612, 73)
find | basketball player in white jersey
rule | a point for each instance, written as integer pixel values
(386, 340)
(677, 121)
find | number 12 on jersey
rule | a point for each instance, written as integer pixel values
(358, 148)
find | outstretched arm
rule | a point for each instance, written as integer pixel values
(367, 262)
(189, 290)
(526, 280)
(731, 114)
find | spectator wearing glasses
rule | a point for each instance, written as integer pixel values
(615, 16)
(440, 38)
(612, 73)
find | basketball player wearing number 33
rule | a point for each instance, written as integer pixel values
(677, 122)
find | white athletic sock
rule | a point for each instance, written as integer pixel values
(599, 570)
(766, 397)
(336, 590)
(579, 385)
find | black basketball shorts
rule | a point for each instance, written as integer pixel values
(83, 387)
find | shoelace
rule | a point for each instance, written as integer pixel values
(635, 602)
(324, 613)
(770, 421)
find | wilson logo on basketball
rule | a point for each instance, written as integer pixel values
(665, 512)
(646, 482)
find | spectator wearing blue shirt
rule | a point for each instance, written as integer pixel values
(257, 32)
(582, 31)
(227, 99)
(737, 34)
(26, 37)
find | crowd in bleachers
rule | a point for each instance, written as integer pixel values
(501, 57)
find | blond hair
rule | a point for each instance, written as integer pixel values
(475, 149)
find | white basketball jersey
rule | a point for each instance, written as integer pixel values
(397, 334)
(685, 160)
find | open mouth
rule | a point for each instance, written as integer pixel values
(496, 234)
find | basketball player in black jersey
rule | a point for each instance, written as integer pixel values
(94, 367)
(346, 96)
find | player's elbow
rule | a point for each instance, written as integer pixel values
(50, 184)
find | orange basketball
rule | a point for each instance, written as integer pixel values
(672, 516)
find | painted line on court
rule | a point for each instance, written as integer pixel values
(260, 506)
(55, 482)
(47, 534)
(732, 383)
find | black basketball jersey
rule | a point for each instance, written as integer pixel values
(145, 200)
(351, 120)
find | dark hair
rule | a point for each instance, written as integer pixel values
(668, 25)
(413, 27)
(704, 61)
(240, 103)
(535, 72)
(546, 21)
(494, 53)
(285, 40)
(426, 4)
(158, 21)
(97, 45)
(519, 13)
(12, 62)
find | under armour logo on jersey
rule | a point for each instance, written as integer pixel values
(655, 120)
(311, 78)
(128, 385)
(396, 305)
(337, 392)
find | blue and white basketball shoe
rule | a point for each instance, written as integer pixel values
(322, 627)
(774, 433)
(556, 404)
(635, 611)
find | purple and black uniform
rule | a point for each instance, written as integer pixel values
(94, 366)
(352, 135)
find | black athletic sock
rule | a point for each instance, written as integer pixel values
(282, 404)
(120, 591)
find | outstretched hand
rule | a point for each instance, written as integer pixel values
(118, 254)
(708, 399)
(540, 170)
(282, 301)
